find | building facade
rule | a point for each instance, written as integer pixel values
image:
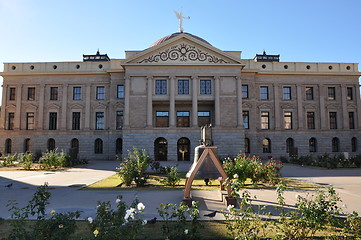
(158, 98)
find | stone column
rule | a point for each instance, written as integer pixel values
(18, 107)
(345, 123)
(300, 114)
(150, 102)
(323, 118)
(195, 102)
(126, 101)
(3, 107)
(172, 102)
(239, 102)
(217, 109)
(278, 110)
(40, 119)
(87, 107)
(64, 108)
(358, 107)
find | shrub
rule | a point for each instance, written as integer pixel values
(26, 161)
(172, 176)
(353, 224)
(10, 160)
(54, 159)
(356, 161)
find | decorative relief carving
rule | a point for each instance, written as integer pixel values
(183, 52)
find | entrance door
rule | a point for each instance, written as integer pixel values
(160, 149)
(183, 149)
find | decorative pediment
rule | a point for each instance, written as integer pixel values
(76, 106)
(246, 105)
(119, 105)
(100, 106)
(30, 106)
(287, 106)
(333, 106)
(310, 106)
(11, 106)
(54, 106)
(351, 106)
(265, 106)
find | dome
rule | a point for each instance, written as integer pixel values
(175, 35)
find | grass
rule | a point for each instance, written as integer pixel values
(154, 184)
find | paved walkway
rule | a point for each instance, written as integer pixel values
(66, 195)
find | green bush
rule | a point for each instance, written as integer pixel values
(26, 161)
(172, 176)
(54, 159)
(9, 160)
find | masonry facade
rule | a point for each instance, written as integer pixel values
(158, 98)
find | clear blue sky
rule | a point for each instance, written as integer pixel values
(63, 30)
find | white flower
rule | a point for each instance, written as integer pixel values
(61, 226)
(144, 222)
(90, 219)
(117, 201)
(297, 195)
(229, 208)
(235, 176)
(186, 231)
(140, 206)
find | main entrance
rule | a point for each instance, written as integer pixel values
(160, 149)
(183, 149)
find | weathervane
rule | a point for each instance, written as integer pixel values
(180, 18)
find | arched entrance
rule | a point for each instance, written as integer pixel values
(160, 149)
(183, 149)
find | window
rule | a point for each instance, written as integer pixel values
(351, 120)
(162, 119)
(76, 93)
(54, 93)
(51, 144)
(98, 146)
(264, 93)
(99, 121)
(76, 121)
(349, 93)
(247, 148)
(31, 94)
(309, 93)
(312, 145)
(353, 144)
(120, 91)
(12, 94)
(30, 121)
(246, 119)
(11, 117)
(100, 93)
(331, 93)
(289, 145)
(74, 143)
(119, 120)
(204, 118)
(333, 120)
(53, 117)
(286, 93)
(8, 144)
(335, 145)
(311, 120)
(244, 91)
(183, 86)
(28, 145)
(205, 87)
(264, 120)
(119, 146)
(266, 143)
(160, 86)
(182, 119)
(287, 118)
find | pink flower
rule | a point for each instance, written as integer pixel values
(220, 178)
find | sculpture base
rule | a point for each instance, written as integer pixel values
(231, 201)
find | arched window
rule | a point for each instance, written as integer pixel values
(8, 146)
(266, 145)
(28, 145)
(119, 146)
(161, 149)
(247, 147)
(353, 144)
(98, 146)
(183, 149)
(289, 144)
(74, 143)
(335, 144)
(51, 144)
(312, 144)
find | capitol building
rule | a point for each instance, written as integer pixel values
(158, 98)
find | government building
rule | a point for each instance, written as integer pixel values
(158, 98)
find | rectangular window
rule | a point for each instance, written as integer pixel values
(333, 120)
(99, 121)
(309, 93)
(119, 120)
(183, 119)
(54, 93)
(204, 118)
(31, 94)
(286, 93)
(183, 86)
(287, 118)
(264, 120)
(76, 93)
(30, 121)
(205, 87)
(120, 91)
(160, 86)
(11, 117)
(349, 93)
(100, 93)
(311, 120)
(264, 93)
(246, 119)
(331, 93)
(53, 118)
(76, 121)
(244, 91)
(351, 120)
(12, 94)
(162, 119)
